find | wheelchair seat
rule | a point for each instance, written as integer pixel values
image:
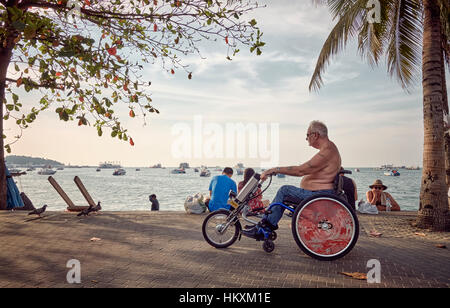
(338, 190)
(292, 201)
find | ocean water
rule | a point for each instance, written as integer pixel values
(130, 192)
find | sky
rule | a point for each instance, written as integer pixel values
(253, 109)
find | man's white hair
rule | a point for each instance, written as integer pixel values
(318, 127)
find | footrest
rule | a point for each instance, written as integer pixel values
(258, 209)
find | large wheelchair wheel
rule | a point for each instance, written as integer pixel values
(217, 230)
(325, 227)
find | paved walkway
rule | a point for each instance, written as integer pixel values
(166, 249)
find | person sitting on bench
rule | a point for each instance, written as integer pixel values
(318, 176)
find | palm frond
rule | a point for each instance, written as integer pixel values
(373, 36)
(350, 19)
(445, 27)
(405, 42)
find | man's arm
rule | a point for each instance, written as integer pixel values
(370, 197)
(316, 163)
(210, 186)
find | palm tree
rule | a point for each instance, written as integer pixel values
(414, 36)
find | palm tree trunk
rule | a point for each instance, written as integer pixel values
(433, 210)
(447, 131)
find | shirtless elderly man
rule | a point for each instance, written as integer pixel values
(318, 175)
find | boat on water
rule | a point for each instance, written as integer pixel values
(31, 169)
(119, 171)
(46, 171)
(239, 168)
(109, 165)
(357, 170)
(205, 172)
(196, 170)
(412, 168)
(157, 166)
(98, 169)
(184, 166)
(392, 173)
(60, 168)
(178, 171)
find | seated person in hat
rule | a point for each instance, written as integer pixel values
(377, 196)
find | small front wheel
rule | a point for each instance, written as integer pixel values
(219, 231)
(268, 246)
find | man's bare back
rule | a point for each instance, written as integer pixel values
(326, 165)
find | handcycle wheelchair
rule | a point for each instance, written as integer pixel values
(324, 226)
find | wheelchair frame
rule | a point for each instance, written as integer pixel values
(239, 203)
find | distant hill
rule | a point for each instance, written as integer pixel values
(27, 160)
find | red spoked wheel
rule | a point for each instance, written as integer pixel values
(325, 227)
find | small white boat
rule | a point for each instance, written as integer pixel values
(392, 173)
(119, 171)
(178, 171)
(205, 173)
(46, 171)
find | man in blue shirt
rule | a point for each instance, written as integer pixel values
(219, 189)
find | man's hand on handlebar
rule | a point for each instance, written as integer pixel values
(267, 173)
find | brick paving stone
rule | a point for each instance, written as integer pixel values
(167, 249)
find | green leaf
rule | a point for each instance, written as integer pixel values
(15, 97)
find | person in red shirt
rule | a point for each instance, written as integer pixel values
(258, 203)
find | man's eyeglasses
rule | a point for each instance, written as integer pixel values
(378, 187)
(309, 134)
